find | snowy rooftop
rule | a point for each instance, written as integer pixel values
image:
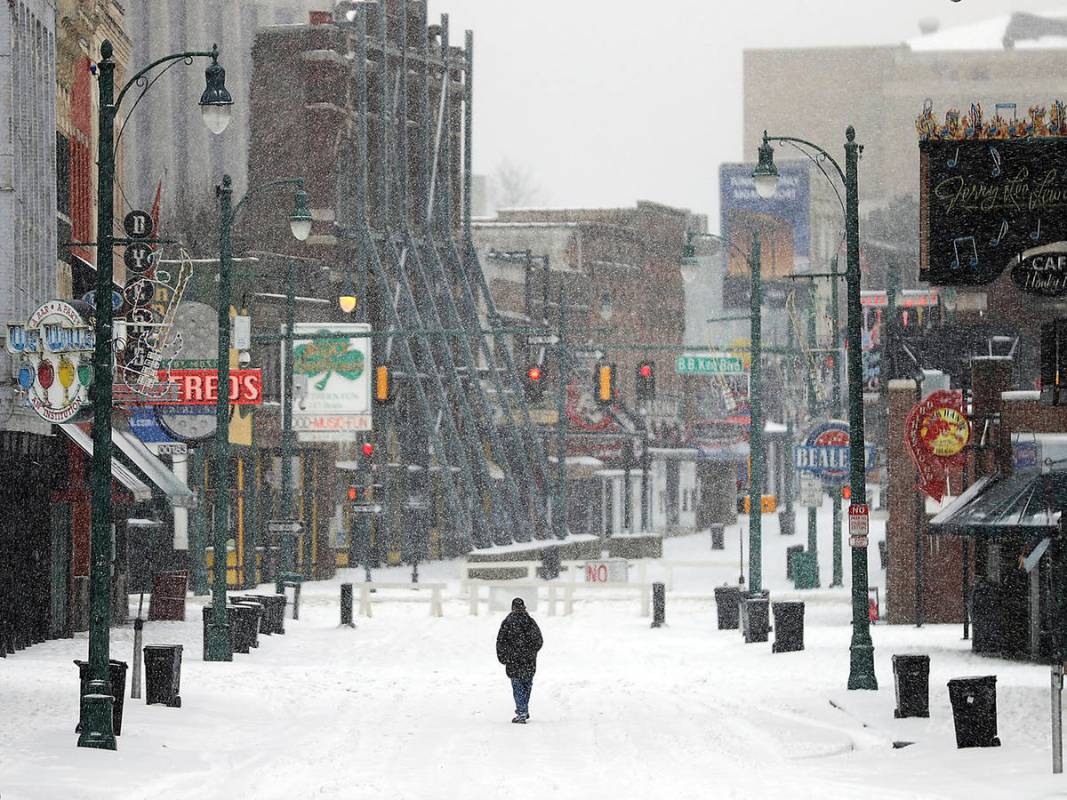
(987, 35)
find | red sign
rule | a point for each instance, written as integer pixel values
(937, 431)
(859, 524)
(200, 387)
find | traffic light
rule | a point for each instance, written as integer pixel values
(645, 383)
(604, 384)
(383, 387)
(367, 449)
(353, 494)
(533, 383)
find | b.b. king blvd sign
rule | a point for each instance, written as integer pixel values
(826, 453)
(55, 350)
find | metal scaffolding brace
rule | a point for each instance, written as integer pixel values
(425, 291)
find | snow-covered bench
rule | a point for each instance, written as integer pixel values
(555, 588)
(529, 567)
(435, 589)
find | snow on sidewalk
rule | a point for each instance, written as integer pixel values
(409, 706)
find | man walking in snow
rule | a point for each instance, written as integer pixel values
(517, 644)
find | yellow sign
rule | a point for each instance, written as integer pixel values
(768, 504)
(944, 431)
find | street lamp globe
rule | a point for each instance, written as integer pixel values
(300, 219)
(347, 302)
(689, 266)
(765, 174)
(216, 104)
(607, 307)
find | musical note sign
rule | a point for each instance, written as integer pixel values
(985, 203)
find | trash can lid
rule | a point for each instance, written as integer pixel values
(974, 679)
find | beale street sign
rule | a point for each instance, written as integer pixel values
(827, 453)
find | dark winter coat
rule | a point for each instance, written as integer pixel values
(517, 644)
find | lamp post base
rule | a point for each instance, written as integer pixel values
(218, 643)
(96, 721)
(861, 667)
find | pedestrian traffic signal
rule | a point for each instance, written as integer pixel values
(604, 384)
(383, 389)
(353, 494)
(533, 384)
(645, 383)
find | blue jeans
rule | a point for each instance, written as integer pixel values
(522, 688)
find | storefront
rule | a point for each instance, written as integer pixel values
(1011, 520)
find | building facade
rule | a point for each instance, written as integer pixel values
(164, 139)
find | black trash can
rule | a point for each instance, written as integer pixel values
(117, 670)
(273, 620)
(911, 679)
(240, 628)
(727, 604)
(718, 536)
(788, 627)
(255, 615)
(791, 551)
(163, 674)
(755, 616)
(974, 710)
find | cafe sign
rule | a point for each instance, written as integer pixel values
(54, 350)
(1042, 270)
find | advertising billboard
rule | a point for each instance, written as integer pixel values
(991, 198)
(331, 381)
(784, 225)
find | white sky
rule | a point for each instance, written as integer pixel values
(607, 102)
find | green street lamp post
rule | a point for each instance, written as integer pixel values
(689, 268)
(861, 662)
(218, 634)
(755, 439)
(95, 711)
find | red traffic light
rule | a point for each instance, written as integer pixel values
(645, 370)
(534, 373)
(846, 492)
(368, 449)
(353, 494)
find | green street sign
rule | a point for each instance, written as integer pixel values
(709, 364)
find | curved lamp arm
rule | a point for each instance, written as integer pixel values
(726, 241)
(139, 78)
(822, 154)
(297, 182)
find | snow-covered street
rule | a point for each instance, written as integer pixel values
(410, 706)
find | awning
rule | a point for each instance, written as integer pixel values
(181, 496)
(1026, 504)
(119, 471)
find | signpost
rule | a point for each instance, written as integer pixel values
(285, 527)
(709, 364)
(550, 338)
(859, 524)
(811, 491)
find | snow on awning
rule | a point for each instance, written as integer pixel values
(119, 471)
(171, 485)
(1025, 504)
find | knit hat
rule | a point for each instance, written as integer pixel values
(518, 605)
